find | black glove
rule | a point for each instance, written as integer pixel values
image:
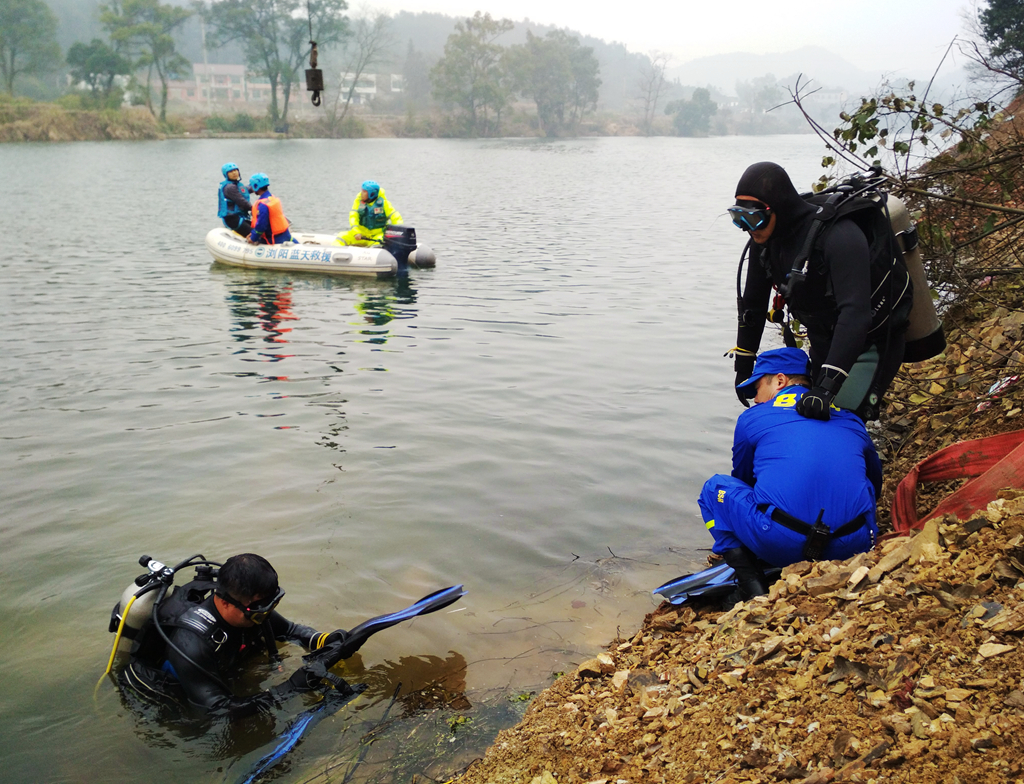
(816, 402)
(744, 365)
(303, 679)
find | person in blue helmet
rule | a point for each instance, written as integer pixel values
(801, 488)
(233, 206)
(371, 212)
(269, 224)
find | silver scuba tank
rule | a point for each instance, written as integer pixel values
(924, 337)
(140, 611)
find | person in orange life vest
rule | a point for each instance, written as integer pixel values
(269, 225)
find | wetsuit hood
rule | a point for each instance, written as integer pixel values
(770, 183)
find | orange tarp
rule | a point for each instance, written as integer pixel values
(993, 463)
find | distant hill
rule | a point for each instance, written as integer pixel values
(827, 70)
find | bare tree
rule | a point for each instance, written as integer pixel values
(650, 86)
(372, 41)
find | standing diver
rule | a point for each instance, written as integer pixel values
(854, 297)
(233, 206)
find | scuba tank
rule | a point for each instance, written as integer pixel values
(135, 607)
(925, 337)
(140, 603)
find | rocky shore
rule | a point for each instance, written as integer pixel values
(904, 664)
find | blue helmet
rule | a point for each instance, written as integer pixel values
(227, 167)
(259, 180)
(372, 189)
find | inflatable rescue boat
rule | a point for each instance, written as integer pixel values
(319, 253)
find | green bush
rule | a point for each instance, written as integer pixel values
(240, 123)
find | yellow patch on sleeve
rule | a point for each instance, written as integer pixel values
(709, 524)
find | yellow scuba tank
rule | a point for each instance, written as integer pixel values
(924, 337)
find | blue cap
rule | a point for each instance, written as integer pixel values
(791, 361)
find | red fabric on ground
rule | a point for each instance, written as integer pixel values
(994, 462)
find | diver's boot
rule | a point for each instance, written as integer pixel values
(749, 578)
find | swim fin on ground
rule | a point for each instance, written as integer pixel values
(713, 581)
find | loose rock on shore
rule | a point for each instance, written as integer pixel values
(904, 664)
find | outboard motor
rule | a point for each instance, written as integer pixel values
(400, 241)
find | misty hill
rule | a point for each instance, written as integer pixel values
(828, 70)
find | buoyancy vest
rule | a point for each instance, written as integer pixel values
(278, 222)
(177, 609)
(891, 287)
(225, 206)
(372, 214)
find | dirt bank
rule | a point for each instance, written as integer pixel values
(25, 121)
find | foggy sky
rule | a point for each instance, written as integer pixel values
(874, 35)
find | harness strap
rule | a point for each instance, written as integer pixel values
(818, 535)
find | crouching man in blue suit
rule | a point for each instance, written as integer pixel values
(800, 489)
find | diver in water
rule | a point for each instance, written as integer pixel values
(800, 489)
(233, 206)
(854, 299)
(208, 640)
(371, 212)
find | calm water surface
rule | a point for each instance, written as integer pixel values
(533, 418)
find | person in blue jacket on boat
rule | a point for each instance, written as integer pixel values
(371, 212)
(233, 206)
(801, 488)
(269, 224)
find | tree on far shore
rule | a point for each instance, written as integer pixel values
(28, 40)
(97, 65)
(275, 36)
(146, 28)
(693, 117)
(472, 75)
(559, 75)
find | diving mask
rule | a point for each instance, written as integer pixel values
(257, 610)
(750, 218)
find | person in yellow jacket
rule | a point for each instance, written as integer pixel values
(371, 212)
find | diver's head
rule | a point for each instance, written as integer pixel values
(247, 589)
(766, 186)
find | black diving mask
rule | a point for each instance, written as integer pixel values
(750, 218)
(259, 609)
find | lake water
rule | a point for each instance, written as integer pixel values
(533, 418)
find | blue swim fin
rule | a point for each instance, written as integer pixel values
(290, 738)
(428, 604)
(713, 581)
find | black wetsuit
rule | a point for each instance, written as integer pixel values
(834, 304)
(217, 650)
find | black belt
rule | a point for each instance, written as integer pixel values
(818, 535)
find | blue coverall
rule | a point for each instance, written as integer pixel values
(805, 467)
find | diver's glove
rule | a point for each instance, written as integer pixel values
(744, 366)
(816, 402)
(305, 679)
